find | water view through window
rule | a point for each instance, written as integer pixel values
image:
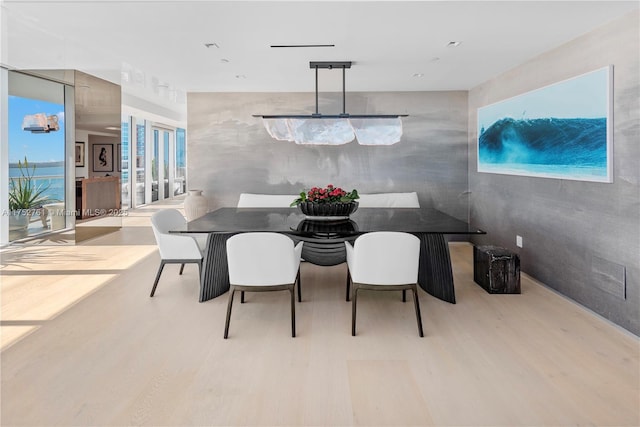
(36, 163)
(45, 151)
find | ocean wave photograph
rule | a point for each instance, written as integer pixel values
(559, 131)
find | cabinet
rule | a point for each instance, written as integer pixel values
(97, 196)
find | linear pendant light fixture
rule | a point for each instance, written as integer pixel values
(334, 129)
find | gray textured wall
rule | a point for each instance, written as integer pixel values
(580, 238)
(230, 152)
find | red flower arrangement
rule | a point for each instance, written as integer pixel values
(329, 194)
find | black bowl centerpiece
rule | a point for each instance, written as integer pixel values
(327, 203)
(337, 209)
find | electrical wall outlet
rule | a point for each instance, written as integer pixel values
(519, 241)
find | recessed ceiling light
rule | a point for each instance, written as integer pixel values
(112, 128)
(240, 76)
(224, 60)
(211, 45)
(454, 44)
(435, 59)
(418, 75)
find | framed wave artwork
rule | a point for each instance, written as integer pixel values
(563, 131)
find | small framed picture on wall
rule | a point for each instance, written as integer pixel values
(79, 154)
(103, 157)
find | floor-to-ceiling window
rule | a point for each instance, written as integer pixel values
(161, 159)
(36, 137)
(181, 161)
(159, 151)
(166, 156)
(124, 162)
(140, 186)
(155, 168)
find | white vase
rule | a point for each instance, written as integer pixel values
(195, 205)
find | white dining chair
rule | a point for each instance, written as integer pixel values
(389, 200)
(260, 262)
(251, 200)
(174, 248)
(383, 261)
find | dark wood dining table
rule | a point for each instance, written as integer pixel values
(324, 239)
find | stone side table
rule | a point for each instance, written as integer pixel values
(496, 269)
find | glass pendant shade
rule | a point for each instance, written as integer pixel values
(335, 131)
(278, 129)
(377, 131)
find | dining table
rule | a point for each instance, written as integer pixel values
(324, 239)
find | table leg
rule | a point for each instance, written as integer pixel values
(323, 251)
(435, 274)
(215, 271)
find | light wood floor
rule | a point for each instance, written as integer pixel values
(84, 345)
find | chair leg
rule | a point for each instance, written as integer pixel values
(348, 284)
(155, 284)
(353, 310)
(404, 295)
(299, 286)
(181, 269)
(418, 316)
(229, 305)
(241, 297)
(293, 310)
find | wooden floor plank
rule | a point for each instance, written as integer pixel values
(83, 344)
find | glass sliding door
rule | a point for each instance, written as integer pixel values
(36, 130)
(161, 158)
(140, 183)
(155, 169)
(160, 162)
(181, 162)
(125, 194)
(166, 154)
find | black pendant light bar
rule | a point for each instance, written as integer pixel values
(331, 65)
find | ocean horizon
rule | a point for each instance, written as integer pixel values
(46, 174)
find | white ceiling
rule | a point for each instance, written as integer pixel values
(156, 49)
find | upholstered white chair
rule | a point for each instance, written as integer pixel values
(174, 248)
(248, 200)
(384, 261)
(261, 262)
(389, 200)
